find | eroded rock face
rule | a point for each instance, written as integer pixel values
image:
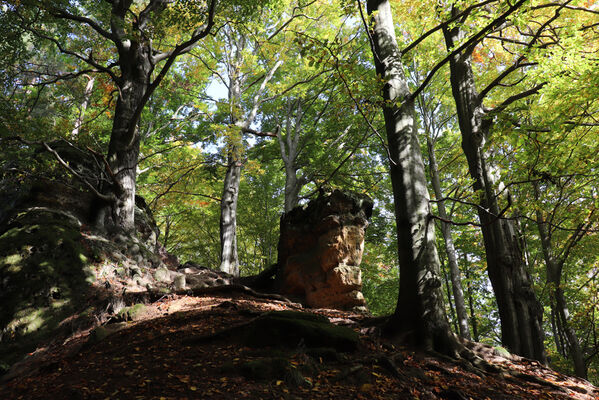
(320, 250)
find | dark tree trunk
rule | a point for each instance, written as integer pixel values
(519, 311)
(123, 149)
(419, 317)
(454, 270)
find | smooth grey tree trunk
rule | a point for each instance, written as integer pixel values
(228, 205)
(419, 317)
(136, 60)
(289, 146)
(229, 260)
(228, 217)
(519, 310)
(454, 269)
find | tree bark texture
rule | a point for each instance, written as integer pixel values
(229, 260)
(469, 291)
(123, 148)
(239, 124)
(519, 310)
(454, 269)
(420, 315)
(228, 217)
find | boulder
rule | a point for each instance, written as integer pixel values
(320, 250)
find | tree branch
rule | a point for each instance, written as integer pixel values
(60, 13)
(470, 42)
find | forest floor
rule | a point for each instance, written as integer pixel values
(160, 357)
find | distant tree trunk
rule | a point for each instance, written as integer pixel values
(559, 308)
(228, 217)
(239, 125)
(89, 88)
(229, 260)
(520, 312)
(473, 322)
(454, 269)
(420, 315)
(289, 146)
(449, 298)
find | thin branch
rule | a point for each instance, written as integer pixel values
(107, 198)
(60, 13)
(466, 12)
(260, 133)
(170, 59)
(470, 42)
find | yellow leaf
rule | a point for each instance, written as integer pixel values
(367, 387)
(193, 388)
(279, 382)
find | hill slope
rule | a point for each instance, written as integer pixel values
(184, 347)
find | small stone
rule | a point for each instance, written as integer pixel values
(179, 282)
(162, 275)
(135, 249)
(120, 238)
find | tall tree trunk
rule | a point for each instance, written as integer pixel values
(123, 148)
(454, 269)
(420, 315)
(239, 125)
(293, 185)
(228, 217)
(519, 311)
(559, 308)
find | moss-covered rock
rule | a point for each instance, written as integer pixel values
(291, 329)
(132, 313)
(42, 273)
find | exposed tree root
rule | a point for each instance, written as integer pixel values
(273, 297)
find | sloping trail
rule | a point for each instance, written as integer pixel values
(159, 357)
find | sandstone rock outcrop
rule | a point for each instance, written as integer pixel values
(320, 250)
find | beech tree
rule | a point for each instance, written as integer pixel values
(432, 130)
(520, 312)
(419, 315)
(137, 66)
